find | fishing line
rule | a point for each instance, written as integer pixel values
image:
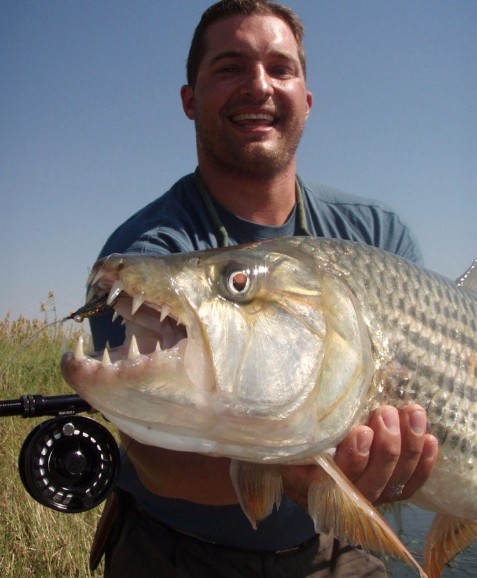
(94, 307)
(26, 343)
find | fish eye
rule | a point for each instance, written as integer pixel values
(238, 282)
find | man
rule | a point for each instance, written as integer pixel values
(177, 513)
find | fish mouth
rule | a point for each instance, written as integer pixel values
(150, 330)
(159, 342)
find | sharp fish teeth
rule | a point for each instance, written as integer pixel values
(164, 313)
(106, 361)
(133, 348)
(95, 276)
(158, 346)
(137, 301)
(115, 316)
(79, 353)
(115, 291)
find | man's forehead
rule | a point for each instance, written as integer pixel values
(250, 34)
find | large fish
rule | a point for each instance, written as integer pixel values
(269, 353)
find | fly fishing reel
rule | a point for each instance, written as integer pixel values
(69, 463)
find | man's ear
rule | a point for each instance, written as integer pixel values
(309, 102)
(187, 97)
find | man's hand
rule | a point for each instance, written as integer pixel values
(392, 457)
(387, 460)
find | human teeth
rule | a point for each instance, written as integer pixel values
(254, 116)
(133, 349)
(106, 361)
(114, 292)
(137, 301)
(79, 353)
(164, 313)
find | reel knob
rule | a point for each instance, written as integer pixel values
(69, 463)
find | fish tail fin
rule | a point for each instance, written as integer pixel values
(336, 506)
(258, 487)
(447, 536)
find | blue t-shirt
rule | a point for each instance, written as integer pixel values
(179, 221)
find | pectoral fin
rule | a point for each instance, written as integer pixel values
(447, 536)
(258, 488)
(336, 506)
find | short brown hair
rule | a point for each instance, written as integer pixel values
(226, 9)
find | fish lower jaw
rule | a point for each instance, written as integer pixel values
(130, 352)
(126, 366)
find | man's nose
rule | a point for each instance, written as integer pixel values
(257, 82)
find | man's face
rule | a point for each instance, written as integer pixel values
(250, 101)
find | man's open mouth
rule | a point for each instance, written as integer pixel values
(259, 118)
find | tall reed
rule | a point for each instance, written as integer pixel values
(34, 540)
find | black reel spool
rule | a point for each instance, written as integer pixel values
(69, 463)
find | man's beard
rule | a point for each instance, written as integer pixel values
(254, 159)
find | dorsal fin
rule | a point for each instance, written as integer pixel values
(469, 278)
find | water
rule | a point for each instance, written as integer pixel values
(411, 525)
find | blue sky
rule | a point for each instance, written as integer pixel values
(91, 127)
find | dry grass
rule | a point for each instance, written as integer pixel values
(34, 540)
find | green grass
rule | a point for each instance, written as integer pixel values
(34, 540)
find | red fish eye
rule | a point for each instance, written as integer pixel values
(239, 281)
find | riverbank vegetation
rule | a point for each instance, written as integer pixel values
(35, 541)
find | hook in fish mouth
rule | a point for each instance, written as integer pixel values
(95, 306)
(149, 331)
(165, 334)
(149, 328)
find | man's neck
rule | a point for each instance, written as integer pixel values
(267, 202)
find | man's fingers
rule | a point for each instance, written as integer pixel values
(384, 454)
(397, 488)
(352, 454)
(387, 460)
(393, 457)
(417, 456)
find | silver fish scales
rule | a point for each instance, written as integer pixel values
(427, 327)
(279, 348)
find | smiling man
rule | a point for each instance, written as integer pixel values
(249, 103)
(176, 513)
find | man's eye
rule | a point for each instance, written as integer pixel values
(282, 72)
(230, 69)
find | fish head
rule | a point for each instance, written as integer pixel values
(251, 352)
